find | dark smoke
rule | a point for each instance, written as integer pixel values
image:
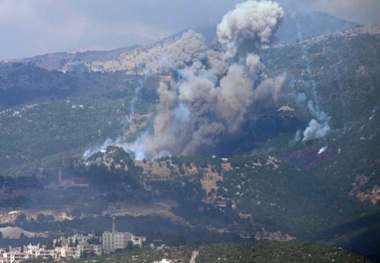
(212, 90)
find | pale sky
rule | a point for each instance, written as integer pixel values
(34, 27)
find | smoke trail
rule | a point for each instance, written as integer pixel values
(108, 142)
(319, 126)
(211, 91)
(135, 98)
(137, 92)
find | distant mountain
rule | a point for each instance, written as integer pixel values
(27, 82)
(101, 75)
(273, 185)
(295, 26)
(302, 26)
(72, 61)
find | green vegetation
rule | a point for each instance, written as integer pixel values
(121, 168)
(261, 252)
(42, 134)
(283, 185)
(343, 69)
(266, 251)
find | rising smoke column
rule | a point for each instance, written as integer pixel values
(319, 126)
(250, 21)
(211, 90)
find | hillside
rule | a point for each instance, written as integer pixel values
(240, 252)
(282, 176)
(296, 26)
(343, 80)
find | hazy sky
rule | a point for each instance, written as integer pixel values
(32, 27)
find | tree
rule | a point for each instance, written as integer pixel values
(180, 240)
(49, 244)
(58, 243)
(21, 219)
(130, 246)
(71, 244)
(41, 218)
(111, 198)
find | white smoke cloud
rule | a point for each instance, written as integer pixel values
(315, 130)
(108, 142)
(319, 127)
(300, 98)
(251, 20)
(212, 90)
(322, 150)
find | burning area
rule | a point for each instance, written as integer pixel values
(212, 89)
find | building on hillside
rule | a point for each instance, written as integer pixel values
(77, 239)
(137, 241)
(83, 243)
(115, 240)
(20, 254)
(71, 183)
(91, 248)
(68, 252)
(157, 244)
(119, 240)
(63, 247)
(164, 260)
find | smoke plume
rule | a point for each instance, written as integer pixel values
(318, 127)
(249, 21)
(108, 142)
(211, 91)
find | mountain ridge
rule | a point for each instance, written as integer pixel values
(287, 33)
(268, 182)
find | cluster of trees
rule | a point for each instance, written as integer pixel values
(39, 135)
(260, 251)
(271, 251)
(121, 170)
(24, 83)
(10, 183)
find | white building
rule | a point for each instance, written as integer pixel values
(115, 240)
(68, 252)
(81, 243)
(119, 240)
(137, 241)
(164, 260)
(17, 255)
